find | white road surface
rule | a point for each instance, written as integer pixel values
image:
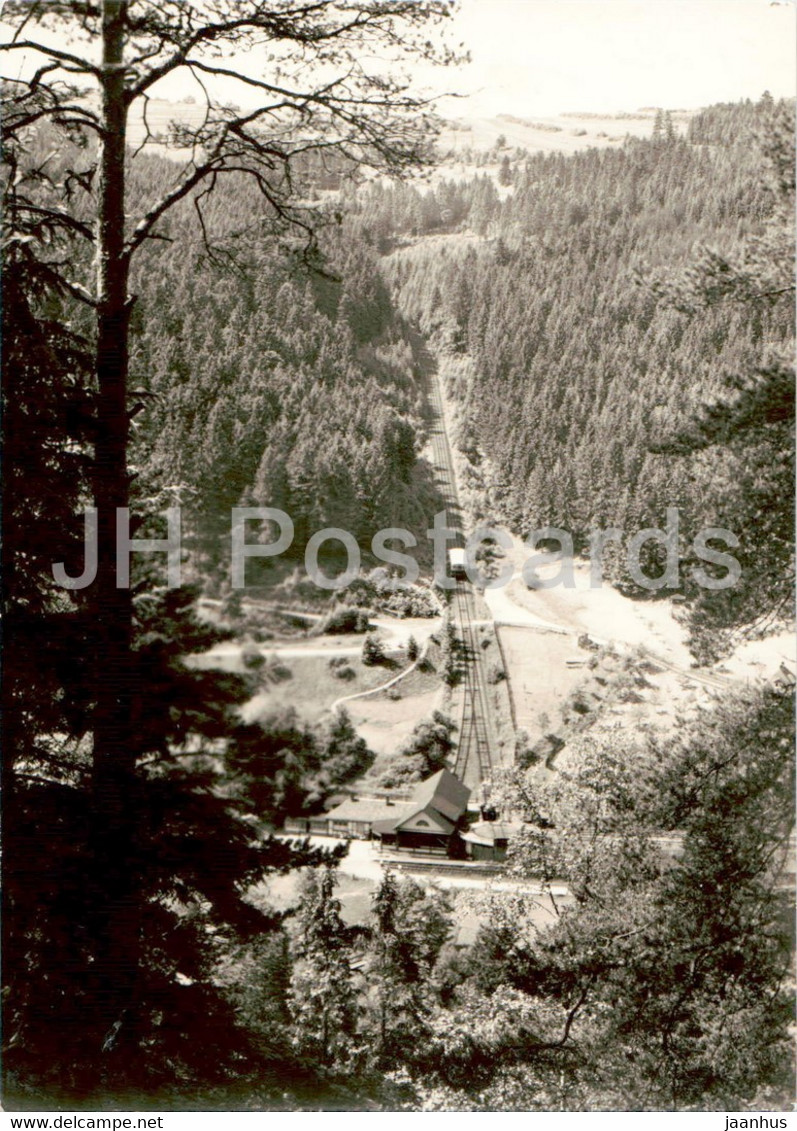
(365, 862)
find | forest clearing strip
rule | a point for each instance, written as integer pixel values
(474, 763)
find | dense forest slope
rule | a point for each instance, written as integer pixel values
(579, 315)
(272, 383)
(566, 286)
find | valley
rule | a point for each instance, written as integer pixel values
(398, 558)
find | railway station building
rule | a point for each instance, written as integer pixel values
(430, 821)
(354, 817)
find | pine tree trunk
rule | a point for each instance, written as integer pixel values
(114, 754)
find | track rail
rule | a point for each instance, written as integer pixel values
(474, 751)
(474, 760)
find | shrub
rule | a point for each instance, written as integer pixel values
(373, 650)
(231, 605)
(411, 601)
(495, 674)
(427, 750)
(341, 668)
(451, 648)
(251, 656)
(345, 619)
(276, 671)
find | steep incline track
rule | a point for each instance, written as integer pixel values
(474, 762)
(476, 743)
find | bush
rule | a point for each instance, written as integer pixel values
(427, 750)
(452, 649)
(231, 605)
(577, 703)
(411, 601)
(495, 673)
(251, 656)
(362, 592)
(340, 668)
(413, 651)
(346, 619)
(275, 671)
(373, 651)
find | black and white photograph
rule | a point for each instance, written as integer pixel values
(398, 488)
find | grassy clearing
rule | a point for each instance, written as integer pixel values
(386, 725)
(421, 680)
(539, 677)
(499, 697)
(312, 686)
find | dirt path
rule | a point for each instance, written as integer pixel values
(382, 686)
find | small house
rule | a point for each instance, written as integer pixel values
(489, 840)
(429, 821)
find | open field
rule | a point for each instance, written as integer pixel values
(314, 687)
(603, 611)
(558, 133)
(304, 681)
(610, 618)
(539, 633)
(539, 677)
(387, 724)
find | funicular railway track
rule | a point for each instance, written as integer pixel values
(474, 761)
(474, 751)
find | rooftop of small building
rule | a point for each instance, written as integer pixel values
(365, 809)
(444, 792)
(490, 832)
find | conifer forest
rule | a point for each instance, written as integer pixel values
(306, 809)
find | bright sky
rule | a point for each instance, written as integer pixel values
(548, 56)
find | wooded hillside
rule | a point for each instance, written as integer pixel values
(592, 333)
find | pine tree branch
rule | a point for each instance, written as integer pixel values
(77, 66)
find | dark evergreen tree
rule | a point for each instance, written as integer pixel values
(128, 862)
(408, 929)
(322, 996)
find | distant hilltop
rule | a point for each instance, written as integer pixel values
(565, 133)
